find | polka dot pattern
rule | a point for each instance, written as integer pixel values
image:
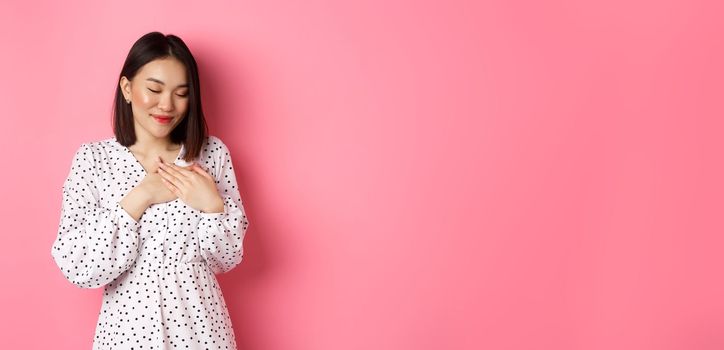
(158, 274)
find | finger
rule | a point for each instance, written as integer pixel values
(198, 169)
(182, 178)
(173, 169)
(176, 176)
(168, 177)
(170, 186)
(184, 170)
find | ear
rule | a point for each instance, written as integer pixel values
(125, 85)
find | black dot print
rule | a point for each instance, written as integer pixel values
(158, 274)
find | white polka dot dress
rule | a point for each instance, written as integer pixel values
(158, 274)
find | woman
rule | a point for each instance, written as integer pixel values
(154, 212)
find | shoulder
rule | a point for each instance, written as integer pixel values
(97, 149)
(214, 155)
(214, 144)
(216, 148)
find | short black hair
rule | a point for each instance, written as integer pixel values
(192, 131)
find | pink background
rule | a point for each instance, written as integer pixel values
(417, 174)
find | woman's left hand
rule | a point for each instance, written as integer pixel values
(193, 185)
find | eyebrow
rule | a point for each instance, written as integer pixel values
(160, 82)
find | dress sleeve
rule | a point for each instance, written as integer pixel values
(94, 245)
(221, 235)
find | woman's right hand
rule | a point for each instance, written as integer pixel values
(148, 192)
(156, 192)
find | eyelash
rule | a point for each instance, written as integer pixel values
(154, 91)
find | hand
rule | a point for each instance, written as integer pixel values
(193, 185)
(154, 190)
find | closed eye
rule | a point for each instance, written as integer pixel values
(181, 95)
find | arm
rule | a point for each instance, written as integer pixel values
(221, 234)
(94, 245)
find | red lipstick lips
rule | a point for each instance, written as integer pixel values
(162, 119)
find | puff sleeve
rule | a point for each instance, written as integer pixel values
(94, 244)
(221, 235)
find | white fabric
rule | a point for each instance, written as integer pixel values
(158, 274)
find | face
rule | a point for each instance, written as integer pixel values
(159, 89)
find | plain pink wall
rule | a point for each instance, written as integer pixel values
(417, 174)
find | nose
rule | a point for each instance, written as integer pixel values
(166, 103)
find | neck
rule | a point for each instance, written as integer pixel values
(147, 144)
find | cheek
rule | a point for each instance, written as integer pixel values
(142, 98)
(147, 99)
(182, 103)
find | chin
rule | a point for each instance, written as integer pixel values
(160, 133)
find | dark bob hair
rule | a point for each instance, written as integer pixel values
(192, 130)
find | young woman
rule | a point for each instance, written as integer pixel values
(152, 214)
